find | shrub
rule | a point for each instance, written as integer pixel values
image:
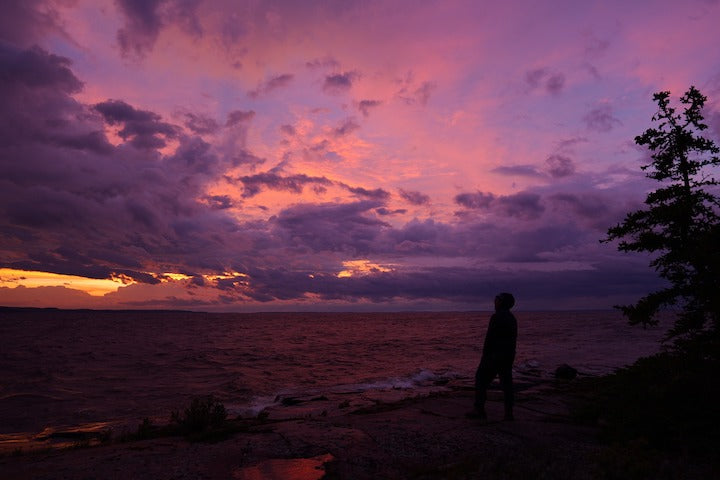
(203, 413)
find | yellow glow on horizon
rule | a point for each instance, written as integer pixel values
(225, 276)
(166, 277)
(96, 287)
(361, 267)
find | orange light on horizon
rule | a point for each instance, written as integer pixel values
(361, 267)
(96, 287)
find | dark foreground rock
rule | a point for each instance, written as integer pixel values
(420, 438)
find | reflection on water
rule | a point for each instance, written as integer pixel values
(87, 435)
(285, 469)
(70, 370)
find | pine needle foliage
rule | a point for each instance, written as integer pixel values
(679, 225)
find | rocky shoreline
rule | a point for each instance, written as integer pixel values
(421, 437)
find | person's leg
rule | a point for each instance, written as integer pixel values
(506, 383)
(483, 377)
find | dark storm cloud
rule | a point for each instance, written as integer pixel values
(459, 284)
(553, 83)
(366, 105)
(517, 170)
(601, 119)
(200, 124)
(271, 84)
(560, 166)
(64, 187)
(414, 198)
(339, 82)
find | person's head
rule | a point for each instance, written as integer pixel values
(504, 301)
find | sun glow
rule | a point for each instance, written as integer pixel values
(93, 286)
(361, 267)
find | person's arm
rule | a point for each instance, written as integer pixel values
(490, 340)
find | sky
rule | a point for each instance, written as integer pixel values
(225, 155)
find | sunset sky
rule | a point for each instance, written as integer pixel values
(229, 155)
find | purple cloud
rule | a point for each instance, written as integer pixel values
(65, 188)
(35, 68)
(339, 82)
(288, 130)
(419, 95)
(331, 227)
(601, 119)
(423, 92)
(201, 124)
(254, 184)
(142, 25)
(555, 83)
(143, 128)
(475, 200)
(23, 22)
(272, 84)
(377, 193)
(524, 206)
(144, 20)
(560, 166)
(326, 62)
(552, 82)
(219, 202)
(385, 211)
(366, 105)
(414, 198)
(239, 116)
(517, 171)
(571, 142)
(595, 210)
(347, 127)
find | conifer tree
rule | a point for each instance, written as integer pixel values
(680, 224)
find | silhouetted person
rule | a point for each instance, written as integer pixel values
(497, 356)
